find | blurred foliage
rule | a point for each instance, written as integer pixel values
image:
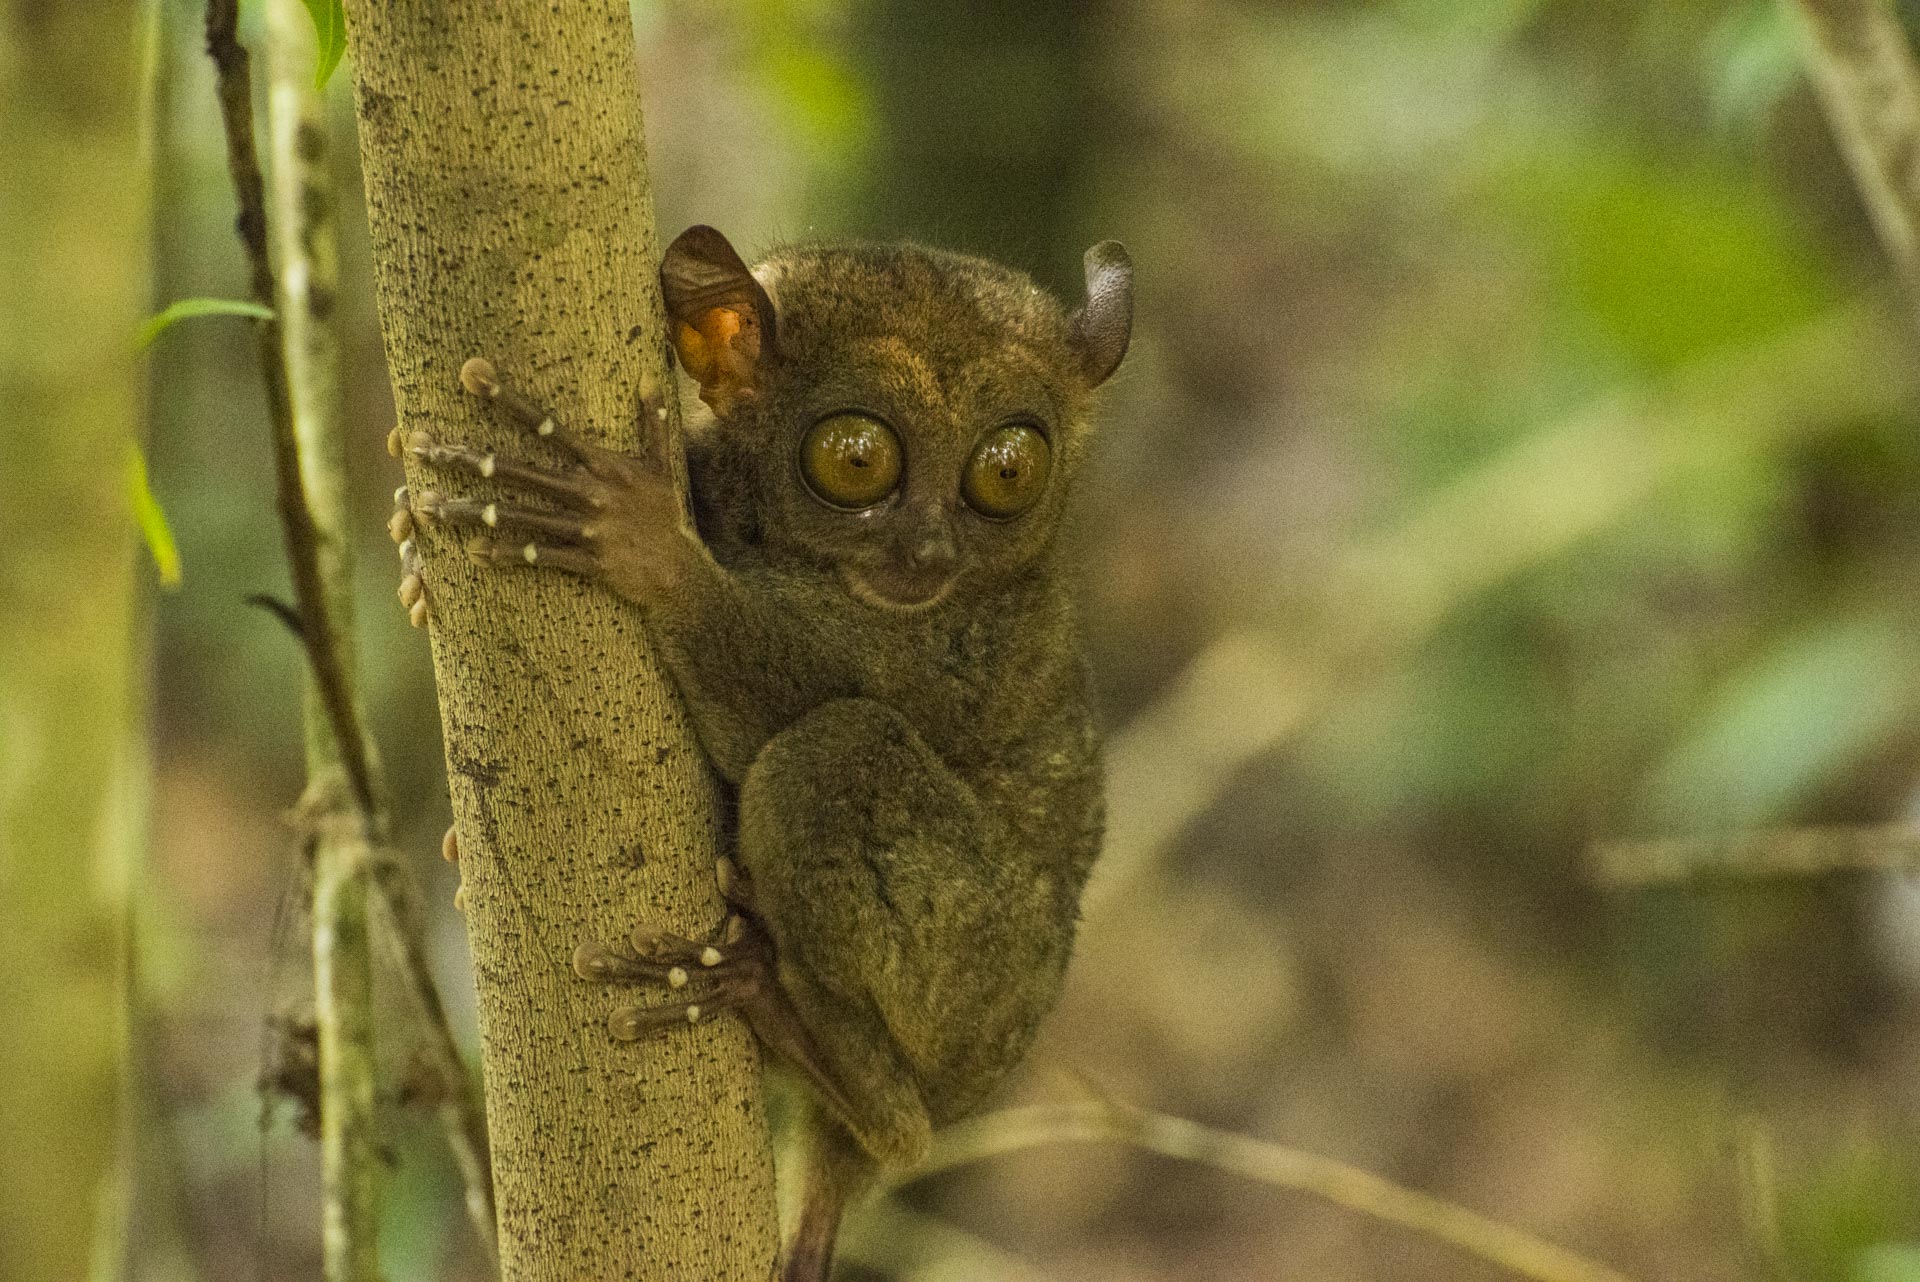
(1531, 259)
(1835, 1226)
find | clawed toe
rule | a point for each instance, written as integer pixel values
(709, 977)
(658, 957)
(631, 1023)
(479, 377)
(436, 507)
(413, 595)
(737, 991)
(602, 964)
(402, 527)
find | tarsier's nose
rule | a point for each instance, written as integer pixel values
(934, 549)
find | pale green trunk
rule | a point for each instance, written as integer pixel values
(73, 287)
(511, 218)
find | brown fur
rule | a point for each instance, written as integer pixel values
(919, 789)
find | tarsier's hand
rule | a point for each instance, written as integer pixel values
(413, 583)
(616, 518)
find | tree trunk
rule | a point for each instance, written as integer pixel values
(73, 287)
(511, 217)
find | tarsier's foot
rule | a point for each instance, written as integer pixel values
(613, 517)
(737, 973)
(706, 977)
(413, 584)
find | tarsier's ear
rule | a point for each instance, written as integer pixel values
(1105, 321)
(721, 319)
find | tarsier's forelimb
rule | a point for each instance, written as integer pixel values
(413, 584)
(613, 517)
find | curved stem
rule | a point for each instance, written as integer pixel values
(1014, 1129)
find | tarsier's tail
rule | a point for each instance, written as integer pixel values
(837, 1172)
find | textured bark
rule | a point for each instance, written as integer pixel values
(73, 287)
(511, 218)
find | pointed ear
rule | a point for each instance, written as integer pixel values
(722, 321)
(1104, 322)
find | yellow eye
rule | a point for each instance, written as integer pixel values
(850, 460)
(1006, 474)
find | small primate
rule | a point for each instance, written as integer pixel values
(869, 619)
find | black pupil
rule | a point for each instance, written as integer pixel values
(1008, 473)
(857, 461)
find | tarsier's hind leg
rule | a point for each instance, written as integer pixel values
(838, 1170)
(867, 857)
(861, 904)
(736, 972)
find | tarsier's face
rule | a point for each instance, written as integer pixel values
(917, 463)
(922, 418)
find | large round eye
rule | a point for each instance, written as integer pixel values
(1007, 473)
(850, 460)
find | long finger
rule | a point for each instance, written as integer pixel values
(555, 485)
(433, 506)
(556, 556)
(479, 377)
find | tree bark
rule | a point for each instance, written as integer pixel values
(512, 219)
(73, 287)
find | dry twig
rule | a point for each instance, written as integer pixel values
(1863, 68)
(1013, 1129)
(1754, 856)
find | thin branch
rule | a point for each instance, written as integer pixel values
(235, 88)
(893, 1239)
(1760, 1200)
(350, 1164)
(1011, 1130)
(1863, 69)
(1753, 856)
(460, 1110)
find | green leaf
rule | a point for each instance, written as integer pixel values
(152, 519)
(187, 308)
(330, 31)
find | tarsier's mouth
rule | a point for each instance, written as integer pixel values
(897, 589)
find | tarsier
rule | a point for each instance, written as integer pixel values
(871, 627)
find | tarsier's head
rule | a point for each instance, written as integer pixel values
(912, 418)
